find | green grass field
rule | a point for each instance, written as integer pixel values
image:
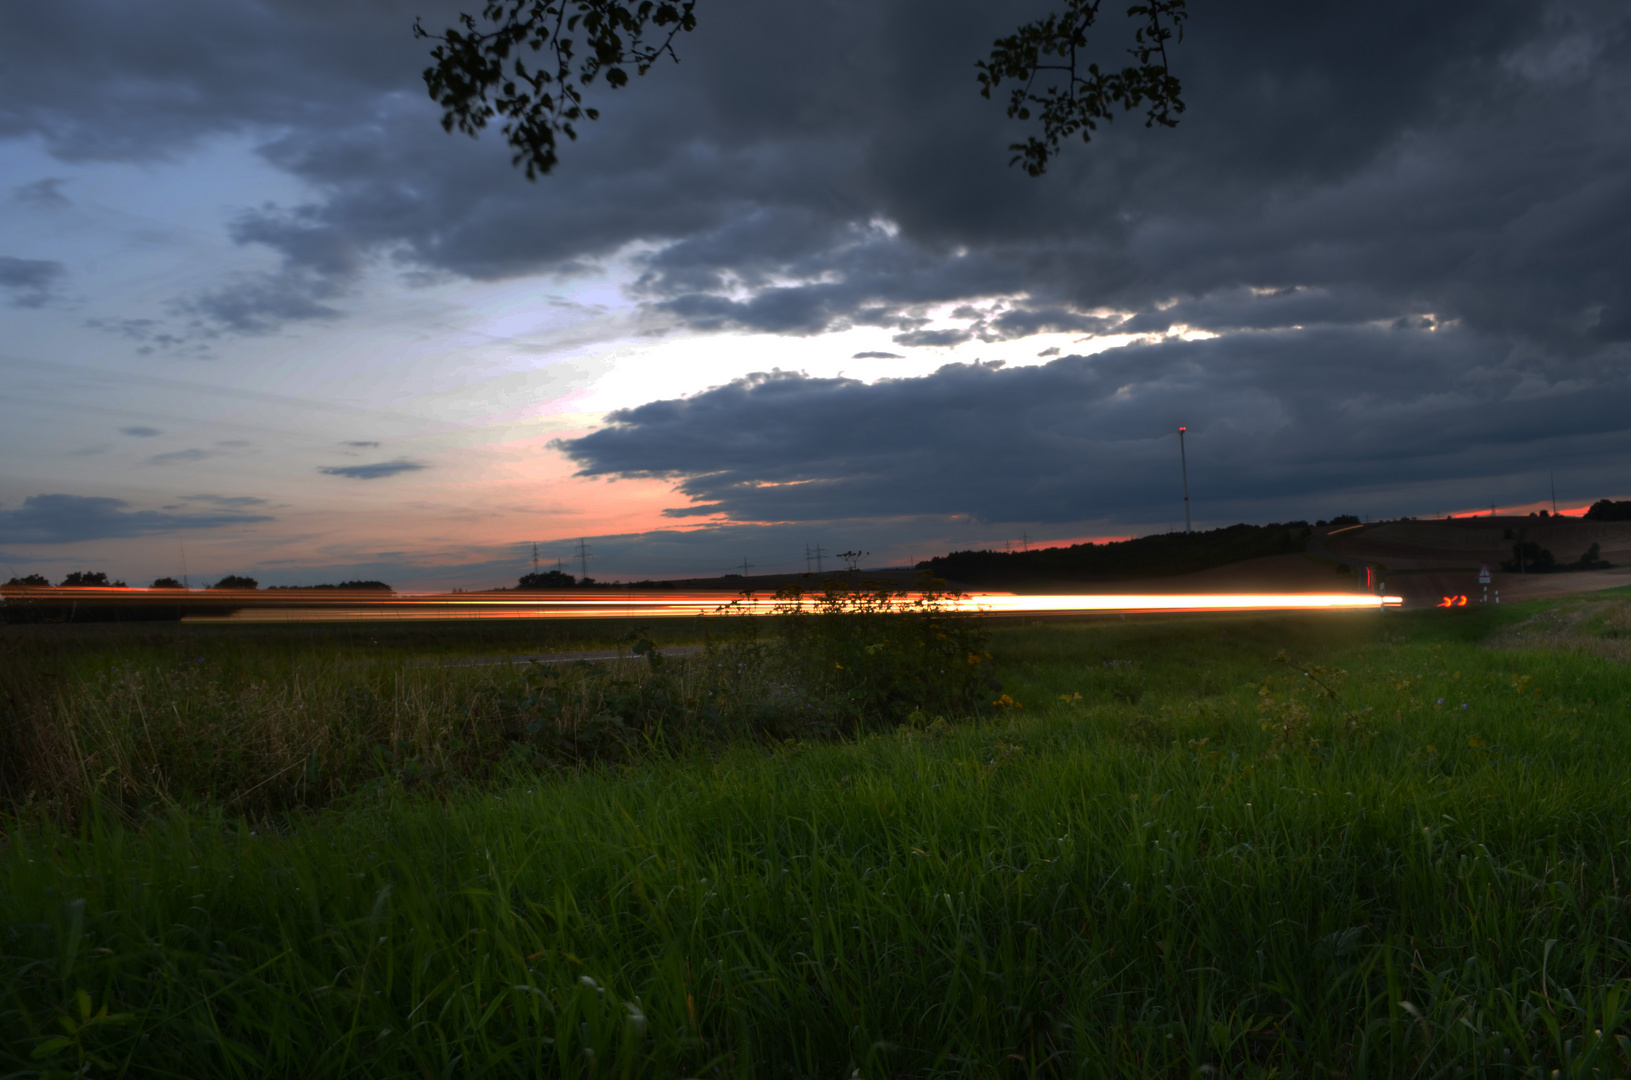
(1346, 845)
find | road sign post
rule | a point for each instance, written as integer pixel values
(1483, 579)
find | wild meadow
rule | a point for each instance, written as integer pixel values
(889, 844)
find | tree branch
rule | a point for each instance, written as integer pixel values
(475, 80)
(1076, 102)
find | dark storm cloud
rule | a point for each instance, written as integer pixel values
(66, 519)
(1274, 418)
(376, 471)
(29, 281)
(874, 355)
(1407, 221)
(140, 432)
(360, 443)
(45, 194)
(811, 167)
(97, 84)
(319, 265)
(263, 304)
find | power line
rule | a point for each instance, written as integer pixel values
(584, 555)
(819, 552)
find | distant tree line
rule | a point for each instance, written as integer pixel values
(19, 607)
(350, 586)
(82, 579)
(98, 579)
(1164, 555)
(552, 579)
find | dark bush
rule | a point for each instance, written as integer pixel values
(874, 654)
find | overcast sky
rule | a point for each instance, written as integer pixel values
(260, 314)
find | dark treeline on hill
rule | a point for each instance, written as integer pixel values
(350, 586)
(1609, 510)
(20, 604)
(1146, 556)
(554, 579)
(560, 579)
(94, 579)
(236, 581)
(79, 579)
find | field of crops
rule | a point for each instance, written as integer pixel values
(1382, 844)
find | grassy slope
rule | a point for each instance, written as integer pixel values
(1147, 880)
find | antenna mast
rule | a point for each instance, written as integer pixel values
(1183, 462)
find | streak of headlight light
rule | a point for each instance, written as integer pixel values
(301, 605)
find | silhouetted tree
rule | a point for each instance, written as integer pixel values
(1592, 559)
(236, 581)
(36, 580)
(553, 579)
(360, 586)
(92, 579)
(167, 583)
(1530, 557)
(1609, 510)
(527, 63)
